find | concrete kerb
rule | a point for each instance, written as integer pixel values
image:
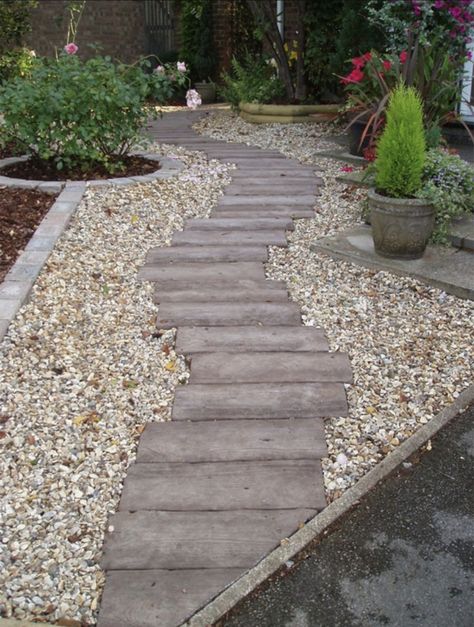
(12, 622)
(314, 529)
(16, 288)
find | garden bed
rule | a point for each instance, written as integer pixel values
(21, 211)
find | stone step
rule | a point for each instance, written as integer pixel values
(222, 314)
(228, 485)
(149, 598)
(219, 295)
(269, 199)
(202, 254)
(245, 401)
(152, 540)
(240, 224)
(198, 271)
(240, 339)
(232, 440)
(285, 367)
(233, 238)
(244, 212)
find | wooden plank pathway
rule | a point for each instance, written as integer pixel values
(238, 468)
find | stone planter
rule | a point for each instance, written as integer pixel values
(283, 114)
(207, 91)
(401, 227)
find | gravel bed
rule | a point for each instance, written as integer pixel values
(410, 345)
(82, 370)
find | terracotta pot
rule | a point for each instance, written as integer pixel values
(401, 227)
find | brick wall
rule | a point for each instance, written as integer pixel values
(118, 26)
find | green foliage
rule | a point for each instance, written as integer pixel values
(15, 60)
(77, 113)
(401, 150)
(449, 186)
(253, 80)
(197, 42)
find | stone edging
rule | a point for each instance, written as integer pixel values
(18, 283)
(315, 528)
(168, 168)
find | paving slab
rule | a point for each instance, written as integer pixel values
(267, 199)
(285, 367)
(213, 253)
(443, 267)
(249, 223)
(245, 401)
(237, 339)
(228, 485)
(153, 598)
(168, 271)
(220, 294)
(232, 440)
(148, 540)
(234, 238)
(221, 314)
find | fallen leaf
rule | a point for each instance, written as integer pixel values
(371, 410)
(134, 219)
(170, 366)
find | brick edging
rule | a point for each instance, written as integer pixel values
(16, 287)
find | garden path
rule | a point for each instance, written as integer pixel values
(238, 468)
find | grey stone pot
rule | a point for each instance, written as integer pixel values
(401, 227)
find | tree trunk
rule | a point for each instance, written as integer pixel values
(300, 91)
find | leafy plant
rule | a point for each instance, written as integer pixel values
(197, 41)
(79, 114)
(253, 80)
(15, 23)
(401, 150)
(449, 186)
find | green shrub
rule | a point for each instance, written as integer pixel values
(253, 80)
(401, 150)
(79, 114)
(197, 41)
(15, 59)
(449, 186)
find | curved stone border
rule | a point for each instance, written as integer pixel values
(16, 287)
(169, 167)
(322, 522)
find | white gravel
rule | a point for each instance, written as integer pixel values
(82, 370)
(410, 345)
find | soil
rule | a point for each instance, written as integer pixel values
(39, 170)
(21, 211)
(11, 149)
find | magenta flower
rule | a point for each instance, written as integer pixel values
(439, 4)
(347, 168)
(181, 66)
(71, 48)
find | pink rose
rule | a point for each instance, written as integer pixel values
(71, 48)
(193, 99)
(181, 66)
(159, 69)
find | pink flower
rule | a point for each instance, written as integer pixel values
(193, 99)
(469, 55)
(358, 62)
(386, 65)
(181, 66)
(367, 56)
(159, 69)
(403, 56)
(456, 12)
(439, 4)
(71, 48)
(347, 168)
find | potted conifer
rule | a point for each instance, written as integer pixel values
(401, 222)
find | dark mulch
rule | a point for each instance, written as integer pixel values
(21, 211)
(36, 170)
(11, 149)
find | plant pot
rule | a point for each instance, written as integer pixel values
(207, 91)
(401, 227)
(355, 132)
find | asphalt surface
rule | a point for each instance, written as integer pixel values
(404, 557)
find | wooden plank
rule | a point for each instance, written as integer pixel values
(160, 598)
(223, 295)
(240, 339)
(234, 238)
(221, 314)
(227, 485)
(232, 440)
(285, 367)
(262, 212)
(250, 223)
(259, 400)
(269, 199)
(198, 271)
(212, 253)
(180, 540)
